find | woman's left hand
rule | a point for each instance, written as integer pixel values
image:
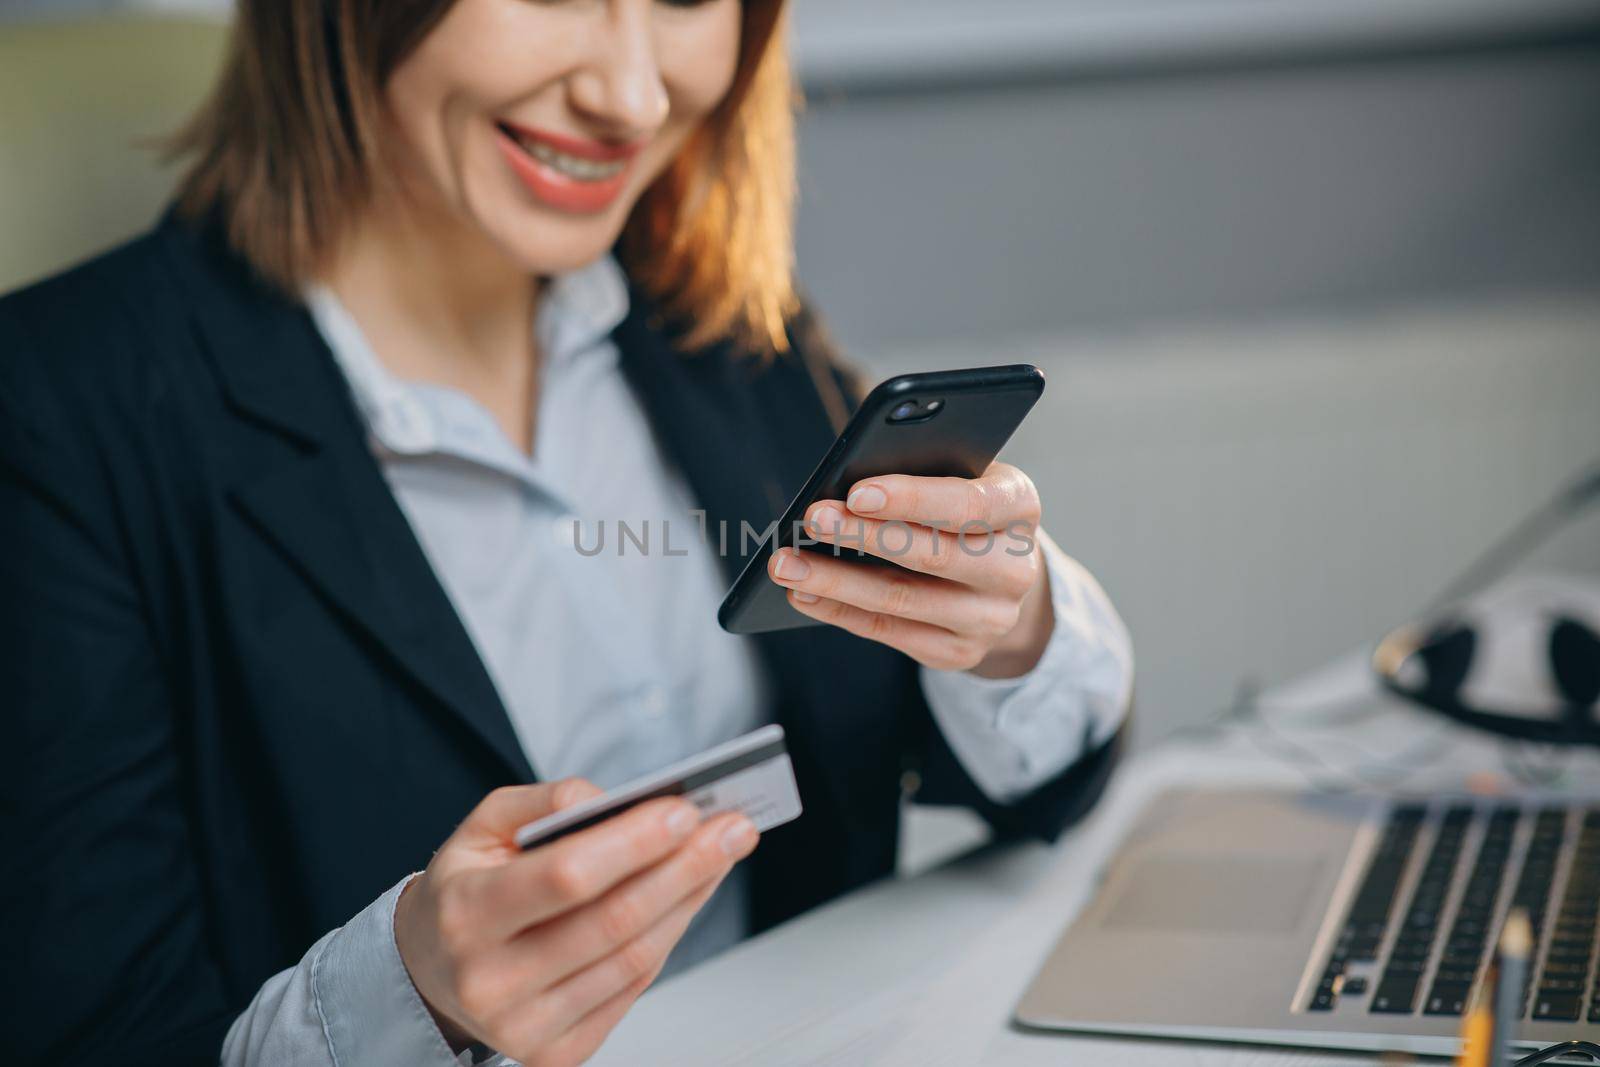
(974, 592)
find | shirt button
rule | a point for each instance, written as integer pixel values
(407, 425)
(653, 702)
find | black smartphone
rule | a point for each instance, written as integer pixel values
(933, 424)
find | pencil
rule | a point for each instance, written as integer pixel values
(1516, 944)
(1477, 1035)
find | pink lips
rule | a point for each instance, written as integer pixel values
(557, 188)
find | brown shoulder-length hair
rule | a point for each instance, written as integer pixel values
(286, 144)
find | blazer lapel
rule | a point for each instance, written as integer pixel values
(310, 485)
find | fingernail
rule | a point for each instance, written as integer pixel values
(828, 520)
(682, 820)
(806, 598)
(867, 499)
(791, 568)
(739, 838)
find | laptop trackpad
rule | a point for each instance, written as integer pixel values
(1216, 894)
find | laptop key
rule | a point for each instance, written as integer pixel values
(1559, 1006)
(1395, 996)
(1447, 998)
(1562, 985)
(1567, 969)
(1446, 976)
(1410, 949)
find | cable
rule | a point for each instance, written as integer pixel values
(1565, 1048)
(1521, 538)
(1383, 773)
(1247, 714)
(1517, 757)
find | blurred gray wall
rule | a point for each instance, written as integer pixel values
(1074, 202)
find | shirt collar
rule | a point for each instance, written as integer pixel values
(395, 418)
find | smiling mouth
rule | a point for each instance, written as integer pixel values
(565, 164)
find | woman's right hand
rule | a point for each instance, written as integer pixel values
(539, 954)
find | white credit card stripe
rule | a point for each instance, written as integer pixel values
(765, 794)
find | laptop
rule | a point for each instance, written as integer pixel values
(1330, 921)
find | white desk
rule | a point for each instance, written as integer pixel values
(924, 972)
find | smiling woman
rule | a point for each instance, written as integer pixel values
(280, 609)
(398, 99)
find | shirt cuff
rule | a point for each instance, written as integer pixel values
(371, 1013)
(1015, 734)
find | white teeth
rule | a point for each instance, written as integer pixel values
(583, 170)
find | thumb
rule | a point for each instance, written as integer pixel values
(500, 814)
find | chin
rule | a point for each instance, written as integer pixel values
(542, 240)
(544, 258)
(542, 245)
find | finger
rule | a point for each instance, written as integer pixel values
(1003, 495)
(499, 815)
(931, 646)
(551, 952)
(994, 562)
(892, 591)
(536, 1023)
(555, 878)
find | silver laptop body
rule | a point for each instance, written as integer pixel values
(1250, 916)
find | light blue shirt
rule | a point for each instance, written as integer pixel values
(611, 663)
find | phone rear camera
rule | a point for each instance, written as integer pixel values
(914, 411)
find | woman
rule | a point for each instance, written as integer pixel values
(289, 596)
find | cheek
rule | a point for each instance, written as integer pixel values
(698, 64)
(423, 101)
(471, 64)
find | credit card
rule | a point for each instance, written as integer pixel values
(750, 774)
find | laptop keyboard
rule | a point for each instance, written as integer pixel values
(1408, 959)
(1469, 934)
(1420, 975)
(1569, 963)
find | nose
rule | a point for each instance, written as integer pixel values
(620, 84)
